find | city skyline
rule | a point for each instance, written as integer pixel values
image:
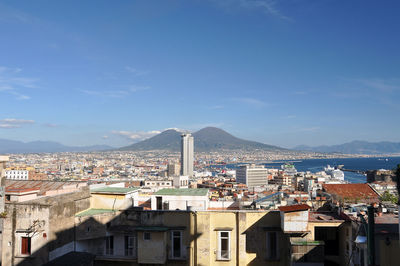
(284, 73)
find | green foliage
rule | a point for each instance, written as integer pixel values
(386, 196)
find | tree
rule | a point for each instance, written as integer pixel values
(386, 196)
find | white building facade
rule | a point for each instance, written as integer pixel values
(17, 174)
(187, 152)
(252, 175)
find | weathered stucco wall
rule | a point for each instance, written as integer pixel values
(48, 221)
(25, 220)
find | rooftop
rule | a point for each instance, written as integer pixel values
(90, 212)
(42, 185)
(114, 190)
(362, 192)
(182, 192)
(293, 208)
(387, 224)
(324, 217)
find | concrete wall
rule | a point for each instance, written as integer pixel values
(152, 251)
(181, 202)
(24, 220)
(247, 237)
(294, 221)
(389, 253)
(114, 202)
(48, 221)
(62, 221)
(21, 198)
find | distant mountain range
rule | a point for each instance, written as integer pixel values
(356, 147)
(12, 146)
(206, 139)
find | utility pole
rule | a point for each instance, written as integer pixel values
(371, 236)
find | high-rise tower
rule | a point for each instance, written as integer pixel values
(187, 155)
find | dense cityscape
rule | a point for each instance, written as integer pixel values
(199, 133)
(168, 188)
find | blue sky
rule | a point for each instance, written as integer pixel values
(280, 72)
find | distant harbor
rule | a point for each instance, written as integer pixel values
(354, 168)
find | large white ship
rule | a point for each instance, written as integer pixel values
(334, 173)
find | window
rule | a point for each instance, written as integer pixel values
(130, 246)
(176, 242)
(25, 245)
(330, 236)
(272, 246)
(109, 245)
(224, 245)
(159, 203)
(146, 236)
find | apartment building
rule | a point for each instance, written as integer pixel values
(252, 175)
(18, 173)
(173, 169)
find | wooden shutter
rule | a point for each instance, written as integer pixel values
(25, 245)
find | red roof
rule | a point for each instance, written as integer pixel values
(21, 190)
(359, 192)
(294, 208)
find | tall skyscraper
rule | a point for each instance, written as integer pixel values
(187, 155)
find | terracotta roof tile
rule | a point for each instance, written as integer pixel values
(293, 208)
(360, 192)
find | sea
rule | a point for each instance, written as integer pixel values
(361, 164)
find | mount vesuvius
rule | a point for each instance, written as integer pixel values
(206, 139)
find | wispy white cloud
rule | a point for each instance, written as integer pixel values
(8, 14)
(300, 92)
(269, 7)
(116, 93)
(135, 71)
(14, 123)
(309, 129)
(10, 69)
(105, 137)
(377, 90)
(107, 94)
(382, 85)
(137, 135)
(11, 82)
(51, 125)
(135, 88)
(250, 101)
(216, 107)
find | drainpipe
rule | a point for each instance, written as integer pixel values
(237, 239)
(371, 236)
(195, 239)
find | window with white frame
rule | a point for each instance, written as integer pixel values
(272, 245)
(224, 246)
(176, 244)
(130, 245)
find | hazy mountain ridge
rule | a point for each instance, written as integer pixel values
(13, 146)
(356, 147)
(206, 139)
